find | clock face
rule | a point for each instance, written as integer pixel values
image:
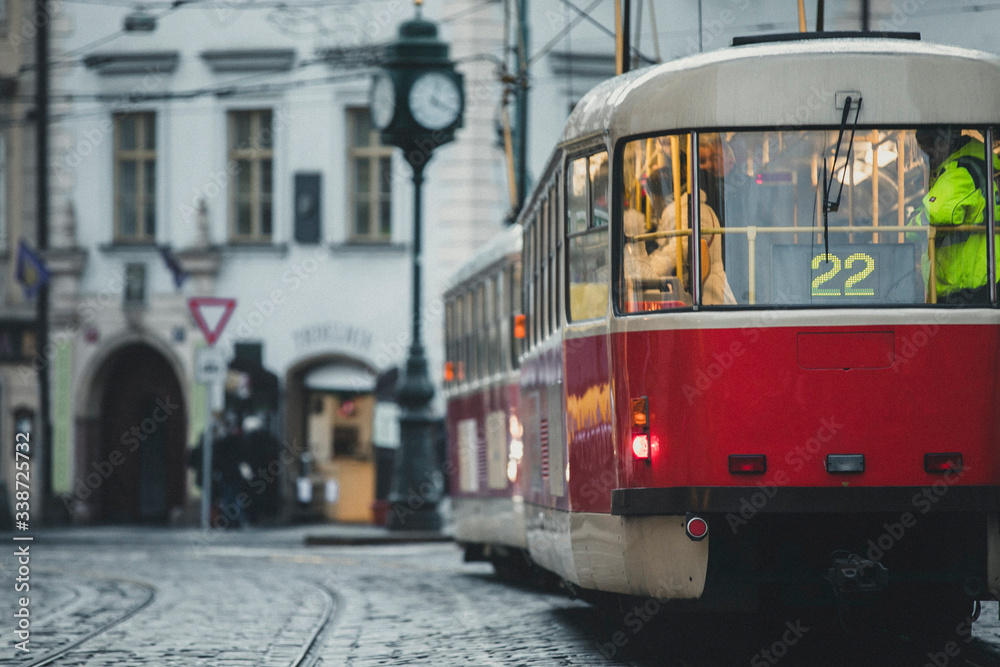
(383, 101)
(435, 100)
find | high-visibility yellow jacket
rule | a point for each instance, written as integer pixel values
(956, 197)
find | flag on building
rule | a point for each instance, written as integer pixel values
(179, 274)
(31, 270)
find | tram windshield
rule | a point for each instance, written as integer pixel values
(904, 221)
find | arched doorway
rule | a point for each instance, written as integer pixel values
(141, 449)
(331, 411)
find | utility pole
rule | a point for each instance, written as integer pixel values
(521, 100)
(42, 20)
(623, 41)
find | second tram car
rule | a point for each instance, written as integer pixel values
(735, 351)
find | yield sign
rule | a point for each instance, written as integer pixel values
(211, 314)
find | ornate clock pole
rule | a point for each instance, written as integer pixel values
(417, 104)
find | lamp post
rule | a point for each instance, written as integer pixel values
(417, 104)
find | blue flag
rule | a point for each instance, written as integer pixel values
(175, 268)
(31, 270)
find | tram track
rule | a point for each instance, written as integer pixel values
(333, 606)
(150, 596)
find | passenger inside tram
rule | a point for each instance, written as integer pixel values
(657, 220)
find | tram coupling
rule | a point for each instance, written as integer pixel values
(850, 574)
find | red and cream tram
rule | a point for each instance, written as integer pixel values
(814, 420)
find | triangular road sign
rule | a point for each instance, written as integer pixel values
(211, 314)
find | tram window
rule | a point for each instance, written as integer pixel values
(449, 341)
(543, 216)
(587, 235)
(905, 224)
(656, 263)
(557, 279)
(514, 289)
(482, 338)
(470, 342)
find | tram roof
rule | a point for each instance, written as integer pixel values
(794, 84)
(508, 242)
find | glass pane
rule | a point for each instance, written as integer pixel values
(265, 216)
(362, 177)
(149, 197)
(385, 175)
(362, 127)
(266, 178)
(243, 185)
(149, 131)
(954, 206)
(266, 182)
(127, 137)
(655, 224)
(576, 196)
(588, 275)
(266, 136)
(385, 218)
(241, 122)
(362, 214)
(598, 167)
(127, 199)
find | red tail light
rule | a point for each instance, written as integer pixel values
(640, 446)
(640, 428)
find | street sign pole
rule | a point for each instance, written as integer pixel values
(206, 467)
(210, 371)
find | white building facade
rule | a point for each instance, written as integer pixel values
(236, 140)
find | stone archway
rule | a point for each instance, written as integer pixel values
(134, 463)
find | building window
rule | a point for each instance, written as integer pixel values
(251, 153)
(371, 180)
(135, 177)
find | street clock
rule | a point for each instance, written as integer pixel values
(416, 98)
(435, 100)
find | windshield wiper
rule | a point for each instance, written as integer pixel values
(834, 206)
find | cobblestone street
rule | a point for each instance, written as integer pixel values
(176, 597)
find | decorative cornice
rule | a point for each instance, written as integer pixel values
(120, 64)
(200, 261)
(249, 60)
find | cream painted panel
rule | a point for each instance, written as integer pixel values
(598, 551)
(490, 521)
(468, 464)
(661, 561)
(549, 541)
(496, 449)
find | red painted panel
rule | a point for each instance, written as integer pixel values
(742, 391)
(593, 472)
(840, 349)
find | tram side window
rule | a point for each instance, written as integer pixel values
(587, 235)
(449, 342)
(655, 181)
